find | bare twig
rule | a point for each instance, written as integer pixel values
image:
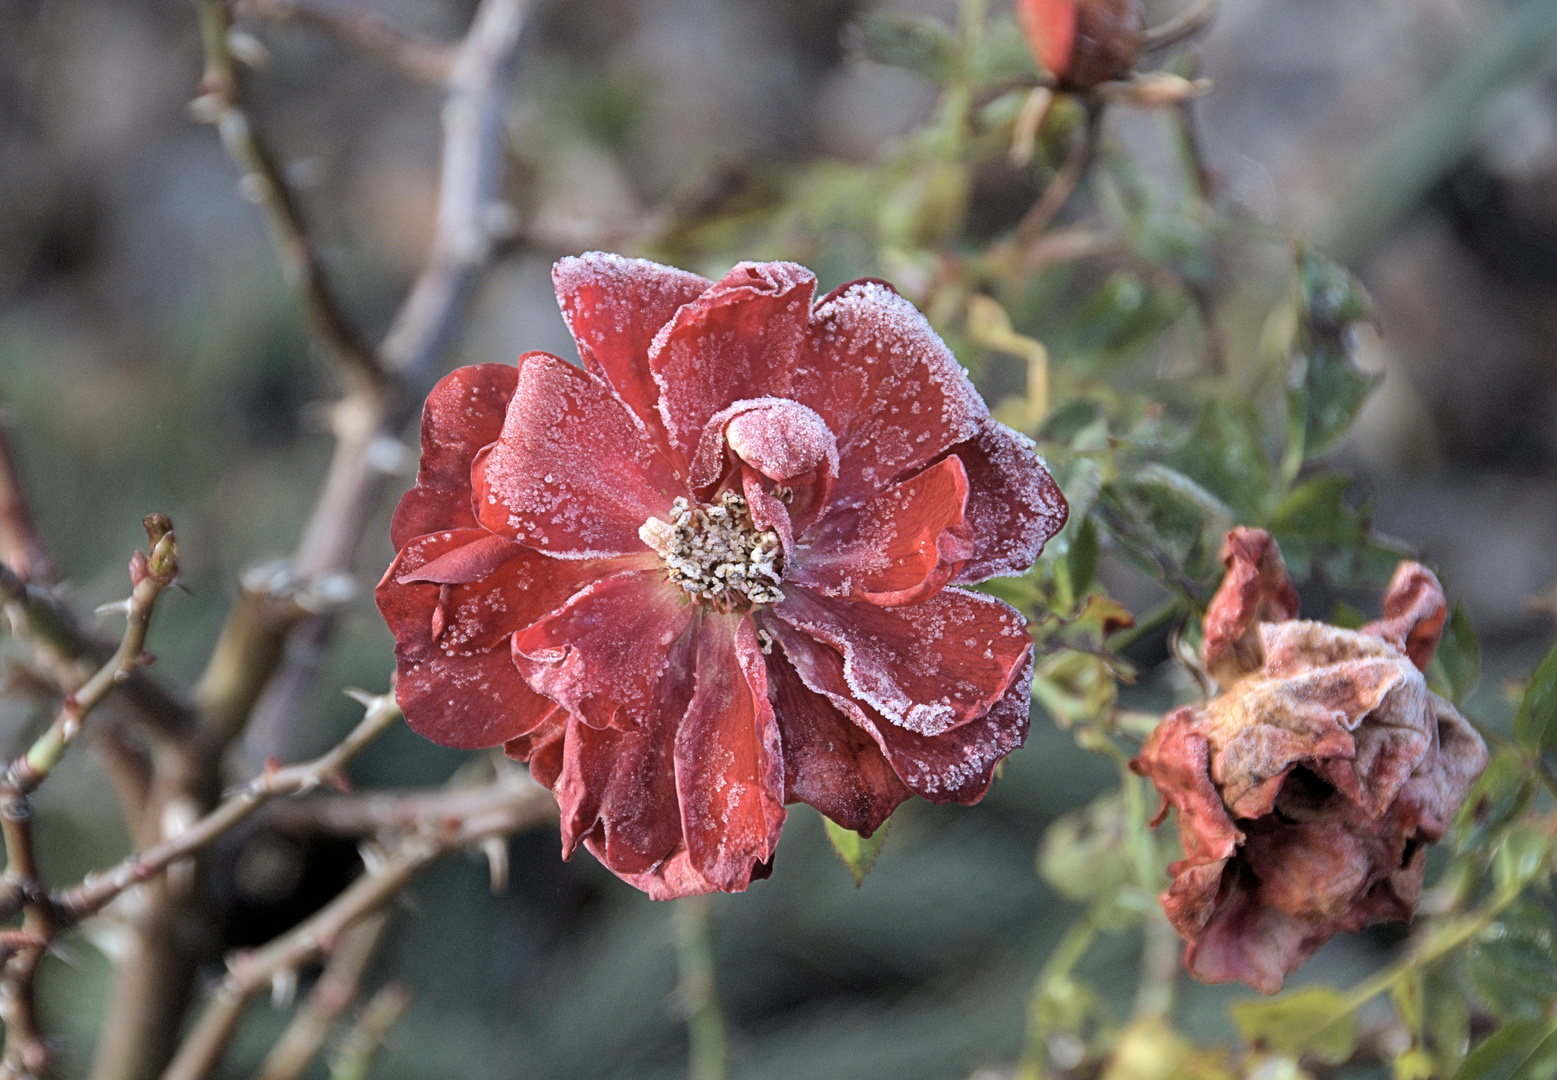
(73, 905)
(513, 802)
(71, 655)
(372, 814)
(354, 1058)
(221, 103)
(425, 61)
(1176, 29)
(327, 1002)
(26, 1050)
(366, 424)
(1030, 229)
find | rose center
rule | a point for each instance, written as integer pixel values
(716, 553)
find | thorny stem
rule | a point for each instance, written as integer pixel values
(221, 103)
(26, 1052)
(514, 802)
(311, 1026)
(367, 424)
(1077, 158)
(89, 897)
(424, 61)
(354, 1059)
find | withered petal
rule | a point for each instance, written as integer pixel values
(1255, 589)
(1414, 613)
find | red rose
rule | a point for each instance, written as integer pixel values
(1083, 42)
(710, 572)
(1309, 788)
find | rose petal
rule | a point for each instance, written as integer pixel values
(541, 747)
(729, 767)
(617, 791)
(1014, 505)
(614, 307)
(898, 548)
(830, 763)
(456, 682)
(1050, 26)
(738, 340)
(574, 472)
(463, 413)
(956, 766)
(886, 386)
(604, 654)
(784, 443)
(1255, 589)
(927, 667)
(1414, 613)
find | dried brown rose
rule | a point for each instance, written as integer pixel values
(1309, 788)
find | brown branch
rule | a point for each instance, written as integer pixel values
(361, 1044)
(331, 996)
(424, 61)
(512, 804)
(93, 894)
(71, 655)
(221, 103)
(26, 1050)
(364, 423)
(373, 814)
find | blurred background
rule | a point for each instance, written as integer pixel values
(152, 358)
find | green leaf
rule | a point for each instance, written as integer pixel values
(1498, 797)
(1315, 1020)
(1446, 1026)
(857, 852)
(1536, 724)
(1081, 558)
(1457, 666)
(1326, 387)
(922, 45)
(1225, 455)
(1080, 856)
(1521, 1050)
(1513, 965)
(1315, 515)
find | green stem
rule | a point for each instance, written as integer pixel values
(708, 1050)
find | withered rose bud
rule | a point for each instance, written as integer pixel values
(1084, 42)
(1309, 788)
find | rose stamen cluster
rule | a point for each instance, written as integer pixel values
(717, 554)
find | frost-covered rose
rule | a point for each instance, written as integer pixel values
(1309, 788)
(715, 569)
